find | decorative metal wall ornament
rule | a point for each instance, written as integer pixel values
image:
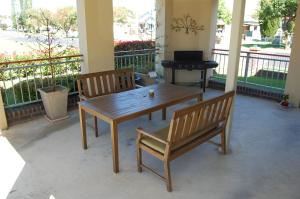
(187, 23)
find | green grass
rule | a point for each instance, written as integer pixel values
(264, 45)
(258, 81)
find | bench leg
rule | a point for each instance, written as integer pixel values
(139, 159)
(96, 126)
(223, 142)
(139, 153)
(167, 175)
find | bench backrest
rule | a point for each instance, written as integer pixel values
(102, 83)
(200, 118)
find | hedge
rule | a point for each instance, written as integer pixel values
(134, 45)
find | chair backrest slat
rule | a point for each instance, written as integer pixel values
(200, 118)
(92, 86)
(112, 88)
(125, 80)
(99, 85)
(85, 87)
(106, 82)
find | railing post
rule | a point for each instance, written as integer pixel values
(3, 120)
(247, 67)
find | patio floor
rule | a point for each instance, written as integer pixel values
(264, 161)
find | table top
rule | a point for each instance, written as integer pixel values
(121, 105)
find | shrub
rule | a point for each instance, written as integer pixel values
(134, 45)
(30, 71)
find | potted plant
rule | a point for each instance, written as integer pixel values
(285, 101)
(54, 97)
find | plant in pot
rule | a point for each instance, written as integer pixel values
(54, 97)
(285, 101)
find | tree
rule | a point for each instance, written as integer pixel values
(272, 13)
(47, 42)
(18, 11)
(223, 12)
(147, 27)
(66, 19)
(269, 20)
(123, 15)
(25, 5)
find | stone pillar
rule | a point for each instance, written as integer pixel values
(292, 87)
(234, 54)
(95, 26)
(3, 121)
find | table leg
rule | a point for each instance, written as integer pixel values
(204, 80)
(164, 113)
(96, 126)
(83, 127)
(115, 146)
(173, 75)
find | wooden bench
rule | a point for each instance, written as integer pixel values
(189, 127)
(103, 83)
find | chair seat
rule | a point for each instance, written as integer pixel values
(163, 135)
(154, 144)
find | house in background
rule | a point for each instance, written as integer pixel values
(251, 29)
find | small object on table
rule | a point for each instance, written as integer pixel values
(151, 93)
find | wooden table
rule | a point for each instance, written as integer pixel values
(124, 106)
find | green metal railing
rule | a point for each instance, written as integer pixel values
(260, 70)
(142, 61)
(20, 80)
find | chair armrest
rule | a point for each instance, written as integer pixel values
(143, 133)
(138, 86)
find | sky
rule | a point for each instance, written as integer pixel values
(134, 5)
(251, 6)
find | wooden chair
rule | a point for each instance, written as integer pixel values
(103, 83)
(189, 127)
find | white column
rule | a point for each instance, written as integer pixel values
(95, 26)
(3, 121)
(163, 21)
(292, 87)
(213, 30)
(234, 54)
(213, 27)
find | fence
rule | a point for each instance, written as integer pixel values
(141, 60)
(20, 80)
(260, 70)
